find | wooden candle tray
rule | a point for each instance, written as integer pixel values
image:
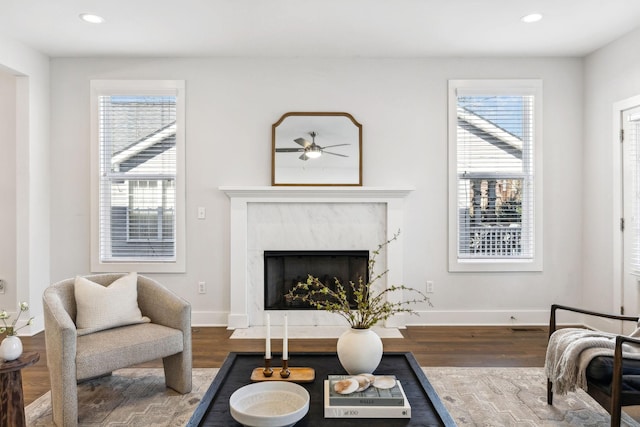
(297, 375)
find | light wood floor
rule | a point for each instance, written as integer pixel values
(432, 346)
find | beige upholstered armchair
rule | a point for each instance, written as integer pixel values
(163, 330)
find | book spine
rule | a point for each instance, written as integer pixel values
(367, 412)
(384, 401)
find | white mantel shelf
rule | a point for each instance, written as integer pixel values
(307, 192)
(241, 197)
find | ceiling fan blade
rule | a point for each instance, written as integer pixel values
(334, 154)
(289, 150)
(302, 142)
(337, 145)
(304, 157)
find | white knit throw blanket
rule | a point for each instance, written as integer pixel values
(571, 349)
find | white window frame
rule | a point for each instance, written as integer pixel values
(139, 87)
(495, 87)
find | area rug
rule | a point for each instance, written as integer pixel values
(257, 332)
(484, 397)
(129, 397)
(513, 397)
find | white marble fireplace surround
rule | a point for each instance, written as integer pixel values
(307, 218)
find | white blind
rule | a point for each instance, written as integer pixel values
(138, 169)
(495, 142)
(631, 127)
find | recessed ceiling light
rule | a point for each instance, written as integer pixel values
(532, 17)
(91, 18)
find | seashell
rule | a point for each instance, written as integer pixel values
(347, 386)
(370, 377)
(363, 382)
(384, 381)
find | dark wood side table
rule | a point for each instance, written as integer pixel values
(11, 398)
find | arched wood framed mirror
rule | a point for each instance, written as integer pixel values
(316, 149)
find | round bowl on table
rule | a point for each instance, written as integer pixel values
(269, 404)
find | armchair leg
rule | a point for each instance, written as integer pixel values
(177, 372)
(616, 417)
(64, 402)
(549, 392)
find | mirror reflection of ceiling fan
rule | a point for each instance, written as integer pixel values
(310, 150)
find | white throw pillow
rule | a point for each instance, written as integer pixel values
(105, 307)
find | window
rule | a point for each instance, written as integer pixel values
(138, 171)
(630, 135)
(495, 208)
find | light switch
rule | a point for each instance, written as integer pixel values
(202, 212)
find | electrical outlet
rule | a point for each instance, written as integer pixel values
(3, 285)
(202, 288)
(202, 212)
(429, 286)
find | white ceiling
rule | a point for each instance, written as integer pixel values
(317, 28)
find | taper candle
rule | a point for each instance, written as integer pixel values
(285, 341)
(267, 353)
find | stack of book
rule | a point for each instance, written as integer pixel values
(370, 403)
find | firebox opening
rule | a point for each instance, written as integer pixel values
(283, 270)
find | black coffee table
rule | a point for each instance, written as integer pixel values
(426, 407)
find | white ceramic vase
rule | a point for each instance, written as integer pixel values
(359, 351)
(10, 348)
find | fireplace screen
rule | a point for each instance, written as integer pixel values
(283, 270)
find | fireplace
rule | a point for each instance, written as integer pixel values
(283, 270)
(306, 218)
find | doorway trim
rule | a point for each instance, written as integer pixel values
(618, 108)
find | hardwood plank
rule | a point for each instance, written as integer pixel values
(431, 346)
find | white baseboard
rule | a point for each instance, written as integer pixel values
(424, 318)
(209, 318)
(479, 318)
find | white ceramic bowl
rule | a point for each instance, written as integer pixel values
(269, 404)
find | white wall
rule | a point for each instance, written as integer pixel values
(28, 150)
(612, 74)
(231, 104)
(8, 188)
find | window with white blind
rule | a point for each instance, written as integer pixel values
(495, 181)
(138, 175)
(631, 188)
